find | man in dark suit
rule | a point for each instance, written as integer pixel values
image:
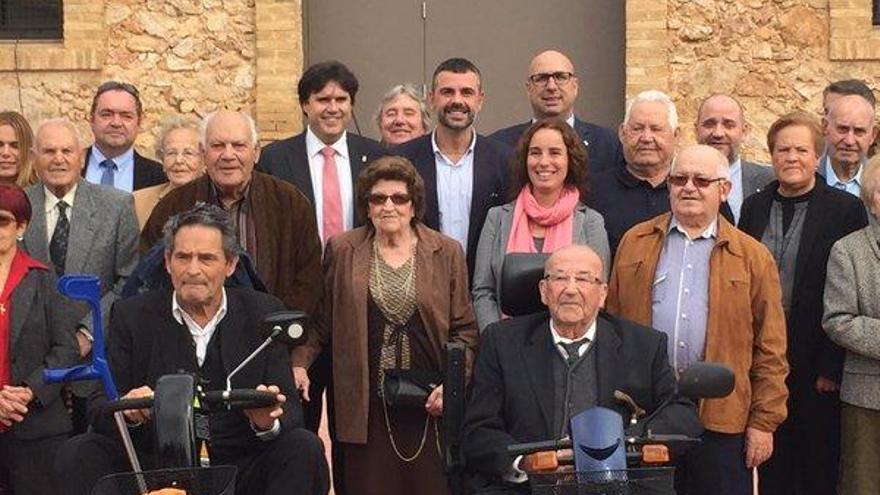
(552, 85)
(464, 172)
(721, 124)
(203, 329)
(527, 366)
(115, 119)
(324, 160)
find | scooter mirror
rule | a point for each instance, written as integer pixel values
(706, 381)
(286, 327)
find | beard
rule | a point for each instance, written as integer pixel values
(443, 117)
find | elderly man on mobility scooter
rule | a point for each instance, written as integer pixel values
(204, 329)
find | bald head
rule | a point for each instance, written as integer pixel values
(573, 288)
(552, 96)
(583, 255)
(721, 125)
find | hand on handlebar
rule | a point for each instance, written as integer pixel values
(264, 417)
(137, 416)
(301, 379)
(434, 404)
(548, 461)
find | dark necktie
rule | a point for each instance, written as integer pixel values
(58, 244)
(109, 172)
(572, 350)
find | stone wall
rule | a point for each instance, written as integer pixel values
(772, 55)
(186, 56)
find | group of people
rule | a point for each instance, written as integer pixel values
(660, 256)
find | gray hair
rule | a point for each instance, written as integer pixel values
(206, 122)
(653, 95)
(205, 215)
(172, 123)
(722, 166)
(409, 90)
(62, 122)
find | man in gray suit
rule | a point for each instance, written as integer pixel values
(721, 124)
(79, 227)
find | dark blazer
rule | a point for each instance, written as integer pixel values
(146, 172)
(755, 177)
(512, 397)
(146, 342)
(288, 254)
(287, 160)
(831, 215)
(103, 238)
(41, 336)
(602, 143)
(490, 178)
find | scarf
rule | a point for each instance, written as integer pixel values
(558, 220)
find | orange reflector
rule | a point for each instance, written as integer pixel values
(544, 461)
(655, 454)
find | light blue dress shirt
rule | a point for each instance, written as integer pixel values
(123, 178)
(680, 294)
(735, 199)
(852, 186)
(455, 185)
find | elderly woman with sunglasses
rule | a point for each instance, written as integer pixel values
(396, 293)
(548, 190)
(35, 334)
(798, 218)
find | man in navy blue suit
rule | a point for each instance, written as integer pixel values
(464, 172)
(553, 88)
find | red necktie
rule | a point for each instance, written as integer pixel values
(332, 197)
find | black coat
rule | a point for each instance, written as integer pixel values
(287, 160)
(603, 145)
(146, 342)
(146, 172)
(490, 178)
(513, 389)
(831, 215)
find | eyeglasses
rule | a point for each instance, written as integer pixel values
(6, 221)
(581, 280)
(187, 154)
(699, 182)
(543, 78)
(377, 199)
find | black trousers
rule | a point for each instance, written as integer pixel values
(321, 379)
(23, 465)
(292, 463)
(716, 466)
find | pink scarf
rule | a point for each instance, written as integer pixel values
(558, 221)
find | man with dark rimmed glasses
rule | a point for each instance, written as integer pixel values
(552, 85)
(715, 292)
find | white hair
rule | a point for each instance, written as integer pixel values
(722, 166)
(653, 95)
(67, 124)
(206, 122)
(172, 123)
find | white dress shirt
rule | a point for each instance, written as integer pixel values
(343, 172)
(455, 184)
(51, 208)
(201, 334)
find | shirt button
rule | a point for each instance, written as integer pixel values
(687, 291)
(684, 316)
(690, 266)
(682, 345)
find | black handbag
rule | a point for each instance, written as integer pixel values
(408, 387)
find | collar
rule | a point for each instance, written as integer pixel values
(710, 232)
(630, 181)
(52, 200)
(437, 149)
(735, 165)
(315, 145)
(215, 193)
(569, 120)
(122, 161)
(178, 313)
(831, 177)
(558, 339)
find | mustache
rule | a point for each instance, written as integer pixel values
(456, 107)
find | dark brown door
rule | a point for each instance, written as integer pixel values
(392, 41)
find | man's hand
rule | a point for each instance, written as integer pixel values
(13, 404)
(264, 417)
(559, 461)
(301, 379)
(824, 385)
(84, 344)
(434, 404)
(759, 447)
(137, 416)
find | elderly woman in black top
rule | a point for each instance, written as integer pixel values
(798, 217)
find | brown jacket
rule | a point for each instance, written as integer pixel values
(443, 301)
(288, 251)
(746, 323)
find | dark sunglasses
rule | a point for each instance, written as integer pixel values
(396, 198)
(6, 221)
(699, 182)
